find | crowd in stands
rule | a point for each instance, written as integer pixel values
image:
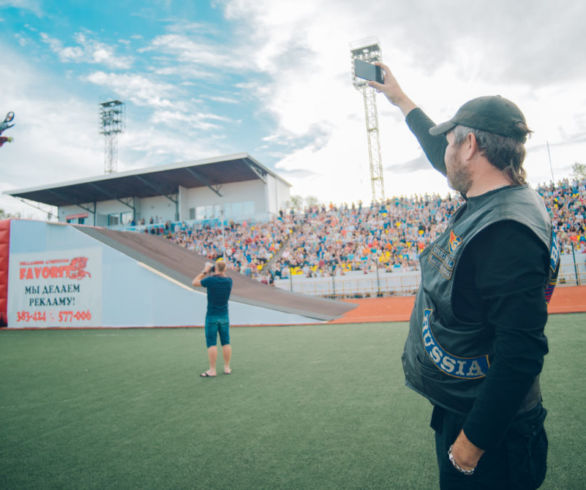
(566, 202)
(328, 240)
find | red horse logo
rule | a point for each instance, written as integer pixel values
(77, 268)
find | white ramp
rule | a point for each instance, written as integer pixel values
(60, 276)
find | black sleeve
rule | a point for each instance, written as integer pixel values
(434, 147)
(510, 272)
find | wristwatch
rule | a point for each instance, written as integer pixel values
(457, 466)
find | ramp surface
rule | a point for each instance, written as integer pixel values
(183, 265)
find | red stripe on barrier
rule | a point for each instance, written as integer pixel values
(4, 258)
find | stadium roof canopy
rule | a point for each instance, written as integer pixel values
(149, 182)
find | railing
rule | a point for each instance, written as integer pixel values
(401, 283)
(193, 223)
(355, 284)
(572, 269)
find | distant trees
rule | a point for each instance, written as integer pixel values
(311, 201)
(296, 202)
(5, 215)
(579, 171)
(299, 202)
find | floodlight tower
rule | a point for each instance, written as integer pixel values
(111, 125)
(370, 52)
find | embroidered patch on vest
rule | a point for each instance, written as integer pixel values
(554, 262)
(554, 254)
(442, 261)
(455, 241)
(455, 366)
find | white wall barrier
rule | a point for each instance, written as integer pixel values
(402, 283)
(354, 284)
(62, 277)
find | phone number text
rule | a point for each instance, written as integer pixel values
(53, 316)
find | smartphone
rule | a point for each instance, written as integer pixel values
(368, 71)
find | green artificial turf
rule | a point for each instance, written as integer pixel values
(320, 407)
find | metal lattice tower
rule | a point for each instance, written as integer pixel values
(370, 53)
(111, 125)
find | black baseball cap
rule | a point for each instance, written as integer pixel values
(491, 113)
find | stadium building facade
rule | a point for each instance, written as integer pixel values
(232, 187)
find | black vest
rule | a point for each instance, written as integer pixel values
(446, 359)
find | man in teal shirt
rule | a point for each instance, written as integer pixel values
(219, 287)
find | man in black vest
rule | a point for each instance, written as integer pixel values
(476, 341)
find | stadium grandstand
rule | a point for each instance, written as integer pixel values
(348, 242)
(349, 250)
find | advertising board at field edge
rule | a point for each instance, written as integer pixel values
(55, 289)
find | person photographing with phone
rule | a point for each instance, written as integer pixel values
(476, 341)
(219, 287)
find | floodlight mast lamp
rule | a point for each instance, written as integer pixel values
(370, 53)
(111, 125)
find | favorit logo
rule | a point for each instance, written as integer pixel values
(55, 269)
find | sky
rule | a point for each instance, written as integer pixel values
(272, 78)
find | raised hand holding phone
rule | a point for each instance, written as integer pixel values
(368, 71)
(390, 87)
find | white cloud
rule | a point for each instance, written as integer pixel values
(170, 110)
(184, 71)
(186, 50)
(199, 121)
(292, 59)
(224, 100)
(87, 51)
(151, 145)
(33, 5)
(136, 88)
(440, 58)
(56, 135)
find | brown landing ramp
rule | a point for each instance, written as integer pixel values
(183, 265)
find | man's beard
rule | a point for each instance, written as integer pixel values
(459, 178)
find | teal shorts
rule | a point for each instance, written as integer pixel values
(217, 325)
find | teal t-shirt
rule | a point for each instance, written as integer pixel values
(219, 289)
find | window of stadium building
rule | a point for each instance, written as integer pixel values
(204, 212)
(232, 210)
(239, 210)
(75, 221)
(115, 219)
(126, 217)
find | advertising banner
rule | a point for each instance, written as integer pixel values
(55, 289)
